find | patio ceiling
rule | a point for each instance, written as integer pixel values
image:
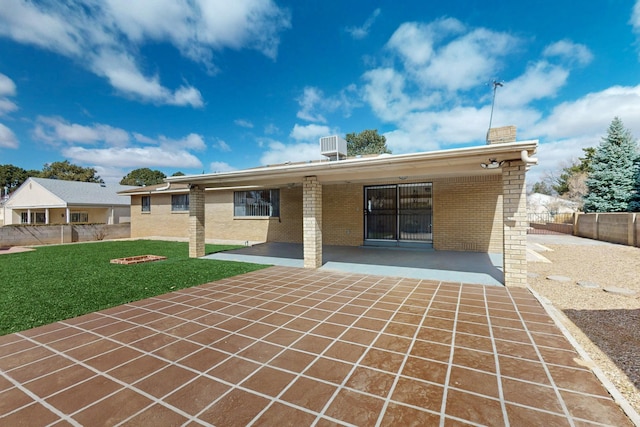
(434, 164)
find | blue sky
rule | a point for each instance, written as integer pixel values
(213, 85)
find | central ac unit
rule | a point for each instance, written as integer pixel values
(333, 147)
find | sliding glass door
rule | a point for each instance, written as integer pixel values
(399, 213)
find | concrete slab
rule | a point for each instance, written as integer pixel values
(459, 267)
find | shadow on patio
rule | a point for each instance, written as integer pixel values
(448, 266)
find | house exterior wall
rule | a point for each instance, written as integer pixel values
(467, 216)
(160, 221)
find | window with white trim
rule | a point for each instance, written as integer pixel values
(78, 217)
(257, 203)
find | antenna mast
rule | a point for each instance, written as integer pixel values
(495, 85)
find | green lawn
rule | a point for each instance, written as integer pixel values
(59, 282)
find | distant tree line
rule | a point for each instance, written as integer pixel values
(606, 179)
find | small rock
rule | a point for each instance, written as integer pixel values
(589, 285)
(620, 291)
(559, 278)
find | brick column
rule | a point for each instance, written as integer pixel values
(312, 225)
(514, 209)
(196, 221)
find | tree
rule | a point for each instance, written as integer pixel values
(143, 176)
(11, 177)
(66, 171)
(581, 167)
(613, 173)
(178, 173)
(366, 142)
(542, 187)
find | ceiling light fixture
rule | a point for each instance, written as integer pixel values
(493, 164)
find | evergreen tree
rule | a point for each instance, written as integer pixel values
(366, 142)
(580, 167)
(613, 172)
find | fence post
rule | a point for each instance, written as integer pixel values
(631, 229)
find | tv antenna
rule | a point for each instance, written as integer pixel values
(495, 84)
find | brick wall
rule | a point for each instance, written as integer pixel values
(160, 221)
(467, 214)
(343, 223)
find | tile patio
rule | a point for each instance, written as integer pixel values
(288, 346)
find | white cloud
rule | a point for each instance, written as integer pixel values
(7, 137)
(132, 157)
(222, 145)
(271, 129)
(243, 123)
(113, 148)
(635, 17)
(7, 86)
(592, 114)
(220, 167)
(310, 132)
(540, 80)
(7, 89)
(414, 41)
(568, 50)
(106, 36)
(361, 32)
(314, 104)
(56, 129)
(278, 152)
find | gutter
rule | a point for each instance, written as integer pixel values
(524, 156)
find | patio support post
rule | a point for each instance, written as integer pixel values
(312, 226)
(196, 221)
(514, 210)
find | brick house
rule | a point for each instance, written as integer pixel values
(466, 199)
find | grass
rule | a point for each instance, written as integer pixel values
(54, 283)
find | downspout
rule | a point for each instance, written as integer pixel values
(524, 156)
(166, 187)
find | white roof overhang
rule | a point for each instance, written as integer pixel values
(435, 164)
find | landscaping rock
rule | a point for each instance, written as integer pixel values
(620, 291)
(589, 285)
(559, 278)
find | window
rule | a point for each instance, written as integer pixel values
(36, 218)
(256, 203)
(146, 203)
(179, 202)
(79, 217)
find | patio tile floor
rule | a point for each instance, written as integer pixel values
(288, 346)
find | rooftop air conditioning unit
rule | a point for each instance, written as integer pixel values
(333, 147)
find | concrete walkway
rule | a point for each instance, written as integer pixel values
(290, 346)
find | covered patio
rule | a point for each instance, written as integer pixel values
(418, 263)
(471, 200)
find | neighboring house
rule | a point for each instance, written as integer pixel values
(542, 207)
(54, 201)
(466, 199)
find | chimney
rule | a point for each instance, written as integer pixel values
(501, 135)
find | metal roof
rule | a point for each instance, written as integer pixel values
(84, 193)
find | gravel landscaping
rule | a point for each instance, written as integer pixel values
(601, 301)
